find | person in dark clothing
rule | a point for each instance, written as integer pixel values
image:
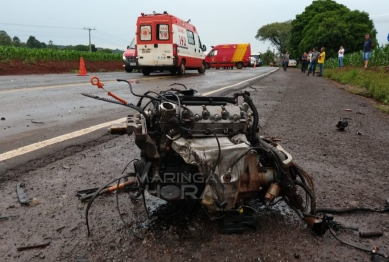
(368, 45)
(312, 67)
(304, 62)
(285, 61)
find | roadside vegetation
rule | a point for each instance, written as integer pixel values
(372, 82)
(31, 55)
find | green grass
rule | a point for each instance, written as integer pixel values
(372, 82)
(369, 83)
(28, 54)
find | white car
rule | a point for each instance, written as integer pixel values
(292, 63)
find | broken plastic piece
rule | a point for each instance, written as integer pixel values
(22, 196)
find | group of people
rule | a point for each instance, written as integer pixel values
(310, 60)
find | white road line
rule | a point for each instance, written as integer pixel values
(48, 142)
(58, 139)
(220, 89)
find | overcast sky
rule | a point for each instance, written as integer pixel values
(217, 21)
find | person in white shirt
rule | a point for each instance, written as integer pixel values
(309, 58)
(340, 56)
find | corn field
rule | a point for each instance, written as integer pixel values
(22, 53)
(379, 57)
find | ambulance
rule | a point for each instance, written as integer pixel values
(166, 42)
(228, 55)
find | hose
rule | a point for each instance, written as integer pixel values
(93, 198)
(249, 101)
(348, 210)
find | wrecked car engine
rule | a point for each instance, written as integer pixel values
(208, 149)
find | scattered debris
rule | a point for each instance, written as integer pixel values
(88, 191)
(370, 234)
(46, 242)
(342, 123)
(65, 166)
(359, 133)
(296, 255)
(60, 228)
(37, 122)
(347, 109)
(34, 202)
(3, 118)
(81, 259)
(22, 196)
(360, 113)
(9, 217)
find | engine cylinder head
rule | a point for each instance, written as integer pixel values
(168, 110)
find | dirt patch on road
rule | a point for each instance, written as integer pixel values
(16, 67)
(349, 170)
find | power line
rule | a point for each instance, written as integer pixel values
(41, 26)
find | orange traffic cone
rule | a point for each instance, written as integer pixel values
(82, 71)
(255, 64)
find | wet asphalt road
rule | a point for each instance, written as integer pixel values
(40, 107)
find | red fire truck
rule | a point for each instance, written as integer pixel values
(166, 42)
(229, 55)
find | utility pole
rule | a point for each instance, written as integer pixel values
(89, 29)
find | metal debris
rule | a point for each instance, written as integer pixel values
(342, 123)
(9, 217)
(37, 122)
(46, 242)
(370, 234)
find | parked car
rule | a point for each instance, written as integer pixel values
(292, 63)
(129, 58)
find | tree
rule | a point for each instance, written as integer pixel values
(16, 41)
(106, 50)
(5, 39)
(328, 24)
(93, 47)
(51, 45)
(267, 57)
(277, 33)
(32, 42)
(81, 48)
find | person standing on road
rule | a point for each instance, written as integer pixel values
(340, 56)
(309, 58)
(285, 61)
(312, 67)
(368, 45)
(304, 62)
(320, 61)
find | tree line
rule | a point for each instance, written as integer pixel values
(324, 23)
(32, 42)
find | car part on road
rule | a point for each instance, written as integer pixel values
(342, 123)
(22, 196)
(46, 242)
(370, 234)
(10, 217)
(108, 190)
(208, 149)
